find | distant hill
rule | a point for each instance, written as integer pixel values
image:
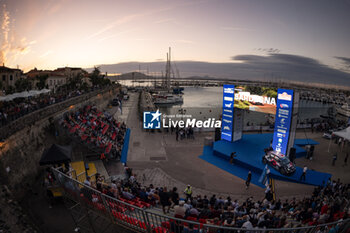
(275, 68)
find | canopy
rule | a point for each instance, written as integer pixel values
(345, 133)
(23, 94)
(56, 154)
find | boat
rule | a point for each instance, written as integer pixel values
(168, 95)
(167, 98)
(344, 110)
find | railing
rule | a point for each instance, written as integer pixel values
(138, 217)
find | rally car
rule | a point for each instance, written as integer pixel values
(279, 162)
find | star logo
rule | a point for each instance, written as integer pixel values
(156, 115)
(151, 120)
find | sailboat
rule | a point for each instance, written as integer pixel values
(165, 96)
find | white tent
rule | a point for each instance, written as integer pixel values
(345, 133)
(23, 94)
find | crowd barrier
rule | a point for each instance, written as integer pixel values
(138, 215)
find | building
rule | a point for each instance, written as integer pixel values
(9, 76)
(57, 77)
(55, 80)
(70, 72)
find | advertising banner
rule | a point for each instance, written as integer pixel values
(237, 124)
(293, 126)
(227, 112)
(283, 120)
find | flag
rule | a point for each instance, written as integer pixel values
(263, 175)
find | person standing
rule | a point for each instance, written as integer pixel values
(335, 156)
(174, 197)
(177, 134)
(346, 160)
(165, 200)
(303, 176)
(232, 156)
(188, 192)
(249, 178)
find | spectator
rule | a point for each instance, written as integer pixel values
(174, 197)
(87, 181)
(303, 175)
(188, 192)
(346, 159)
(165, 200)
(249, 178)
(335, 156)
(180, 210)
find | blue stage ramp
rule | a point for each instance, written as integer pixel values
(249, 151)
(124, 154)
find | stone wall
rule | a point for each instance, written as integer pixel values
(145, 103)
(20, 153)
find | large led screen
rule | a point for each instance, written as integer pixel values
(256, 98)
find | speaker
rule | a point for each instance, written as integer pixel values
(217, 134)
(292, 154)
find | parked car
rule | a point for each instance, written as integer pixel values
(328, 134)
(280, 162)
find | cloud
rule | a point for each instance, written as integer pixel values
(345, 62)
(185, 41)
(46, 54)
(11, 45)
(117, 22)
(116, 34)
(268, 50)
(236, 29)
(272, 67)
(164, 20)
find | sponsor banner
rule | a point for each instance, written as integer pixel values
(283, 120)
(227, 112)
(293, 126)
(237, 125)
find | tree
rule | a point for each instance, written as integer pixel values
(75, 82)
(42, 79)
(95, 76)
(97, 79)
(22, 85)
(10, 90)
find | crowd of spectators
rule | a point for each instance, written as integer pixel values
(96, 129)
(16, 108)
(324, 206)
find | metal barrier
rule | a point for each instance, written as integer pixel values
(130, 215)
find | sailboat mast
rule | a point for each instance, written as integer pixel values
(168, 74)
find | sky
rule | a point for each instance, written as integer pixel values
(82, 33)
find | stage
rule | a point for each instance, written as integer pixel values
(249, 151)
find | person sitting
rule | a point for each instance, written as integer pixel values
(87, 181)
(127, 195)
(180, 210)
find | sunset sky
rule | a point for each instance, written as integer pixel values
(55, 33)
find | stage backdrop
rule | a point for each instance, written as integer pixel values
(283, 120)
(227, 112)
(237, 125)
